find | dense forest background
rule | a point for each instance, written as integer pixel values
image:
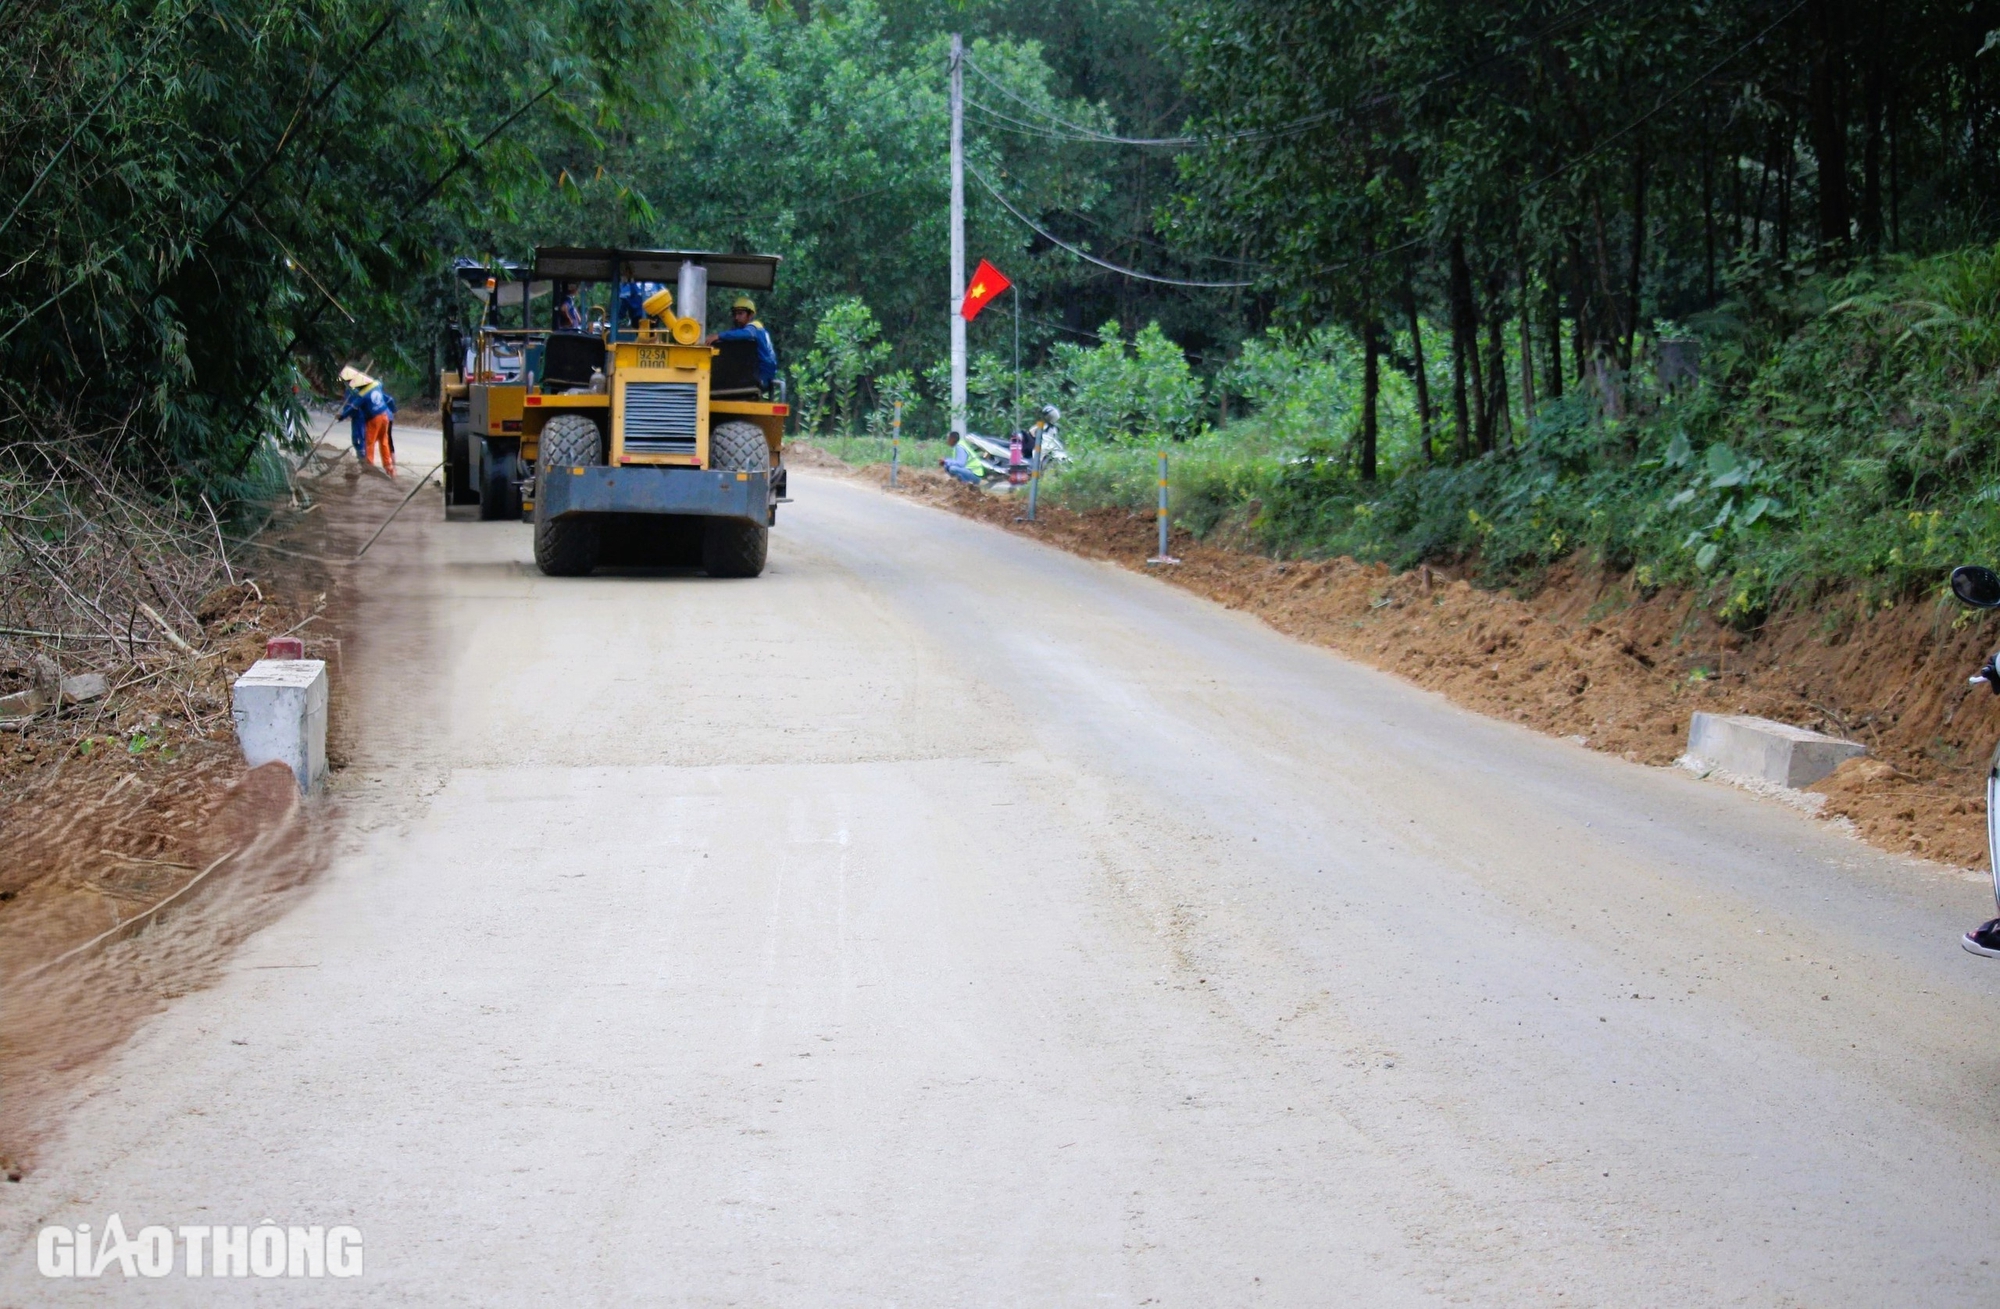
(1398, 278)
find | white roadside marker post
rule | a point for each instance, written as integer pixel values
(279, 707)
(1163, 557)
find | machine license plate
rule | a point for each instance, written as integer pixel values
(652, 357)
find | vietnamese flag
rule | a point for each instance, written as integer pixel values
(987, 282)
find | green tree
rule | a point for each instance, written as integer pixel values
(1520, 172)
(847, 350)
(890, 390)
(823, 142)
(1118, 392)
(210, 204)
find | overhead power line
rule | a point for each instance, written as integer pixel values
(1092, 222)
(1085, 255)
(1082, 133)
(1004, 123)
(1007, 123)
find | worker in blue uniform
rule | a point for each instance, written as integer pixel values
(744, 313)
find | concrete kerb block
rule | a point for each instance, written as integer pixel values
(280, 711)
(1772, 752)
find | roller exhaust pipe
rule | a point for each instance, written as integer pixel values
(691, 295)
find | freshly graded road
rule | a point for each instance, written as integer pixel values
(944, 920)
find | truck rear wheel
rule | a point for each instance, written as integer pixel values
(736, 547)
(566, 547)
(499, 465)
(454, 476)
(458, 487)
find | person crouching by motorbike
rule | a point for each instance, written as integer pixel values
(960, 462)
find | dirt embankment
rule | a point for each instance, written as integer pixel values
(138, 798)
(1587, 656)
(124, 803)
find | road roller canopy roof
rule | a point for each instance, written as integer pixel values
(505, 280)
(606, 264)
(472, 272)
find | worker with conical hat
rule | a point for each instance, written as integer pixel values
(372, 410)
(352, 381)
(744, 313)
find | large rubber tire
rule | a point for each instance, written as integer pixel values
(458, 487)
(566, 547)
(453, 476)
(736, 547)
(499, 466)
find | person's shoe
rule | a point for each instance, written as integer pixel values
(1984, 939)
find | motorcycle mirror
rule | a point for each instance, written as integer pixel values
(1977, 586)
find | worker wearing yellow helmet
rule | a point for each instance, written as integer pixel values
(744, 312)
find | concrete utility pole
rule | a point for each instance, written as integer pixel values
(957, 232)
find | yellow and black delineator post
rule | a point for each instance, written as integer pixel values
(1163, 557)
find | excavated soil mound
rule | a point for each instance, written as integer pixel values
(1590, 657)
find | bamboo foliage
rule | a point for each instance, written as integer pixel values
(212, 200)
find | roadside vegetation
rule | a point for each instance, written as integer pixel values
(1842, 429)
(1390, 280)
(1701, 294)
(210, 206)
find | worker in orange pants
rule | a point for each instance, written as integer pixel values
(381, 449)
(374, 412)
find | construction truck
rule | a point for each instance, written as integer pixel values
(629, 440)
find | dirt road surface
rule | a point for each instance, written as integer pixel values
(942, 919)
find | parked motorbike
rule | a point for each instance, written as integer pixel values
(1979, 588)
(1010, 459)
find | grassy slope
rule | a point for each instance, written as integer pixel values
(1844, 433)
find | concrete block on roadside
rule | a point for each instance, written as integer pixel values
(280, 711)
(1772, 752)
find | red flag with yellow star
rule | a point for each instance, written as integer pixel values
(987, 282)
